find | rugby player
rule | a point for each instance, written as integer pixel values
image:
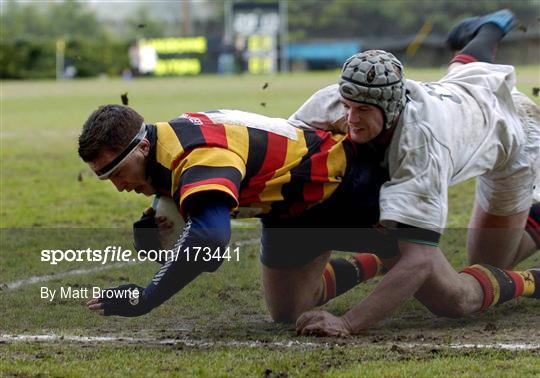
(471, 123)
(224, 163)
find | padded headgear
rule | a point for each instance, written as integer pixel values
(375, 77)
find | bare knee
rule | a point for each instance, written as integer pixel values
(287, 307)
(291, 292)
(457, 309)
(456, 305)
(285, 313)
(451, 294)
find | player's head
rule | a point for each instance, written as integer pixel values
(113, 144)
(372, 87)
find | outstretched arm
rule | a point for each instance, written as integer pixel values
(398, 285)
(208, 226)
(423, 271)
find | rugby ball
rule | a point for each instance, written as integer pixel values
(166, 207)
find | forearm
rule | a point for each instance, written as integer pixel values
(208, 228)
(174, 275)
(398, 286)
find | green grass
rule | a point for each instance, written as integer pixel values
(44, 205)
(165, 361)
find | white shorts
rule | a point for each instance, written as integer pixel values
(514, 187)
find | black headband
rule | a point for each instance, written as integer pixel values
(104, 172)
(352, 81)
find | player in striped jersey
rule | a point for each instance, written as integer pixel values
(272, 174)
(314, 191)
(219, 163)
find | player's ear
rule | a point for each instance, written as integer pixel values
(145, 147)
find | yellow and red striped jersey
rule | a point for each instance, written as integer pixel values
(260, 168)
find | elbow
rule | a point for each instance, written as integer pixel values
(215, 238)
(223, 236)
(215, 242)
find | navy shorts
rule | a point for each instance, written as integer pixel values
(343, 222)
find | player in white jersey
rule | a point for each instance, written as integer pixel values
(471, 123)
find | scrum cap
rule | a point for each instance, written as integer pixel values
(375, 77)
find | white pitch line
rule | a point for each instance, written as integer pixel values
(49, 277)
(507, 346)
(251, 344)
(134, 340)
(76, 272)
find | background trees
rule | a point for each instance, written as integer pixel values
(30, 31)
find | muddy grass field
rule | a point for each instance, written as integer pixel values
(218, 326)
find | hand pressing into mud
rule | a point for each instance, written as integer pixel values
(322, 323)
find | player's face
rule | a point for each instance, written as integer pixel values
(365, 121)
(130, 174)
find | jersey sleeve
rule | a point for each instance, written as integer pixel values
(322, 111)
(417, 192)
(208, 169)
(208, 228)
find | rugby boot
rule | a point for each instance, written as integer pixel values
(465, 31)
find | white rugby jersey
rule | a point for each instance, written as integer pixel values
(463, 126)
